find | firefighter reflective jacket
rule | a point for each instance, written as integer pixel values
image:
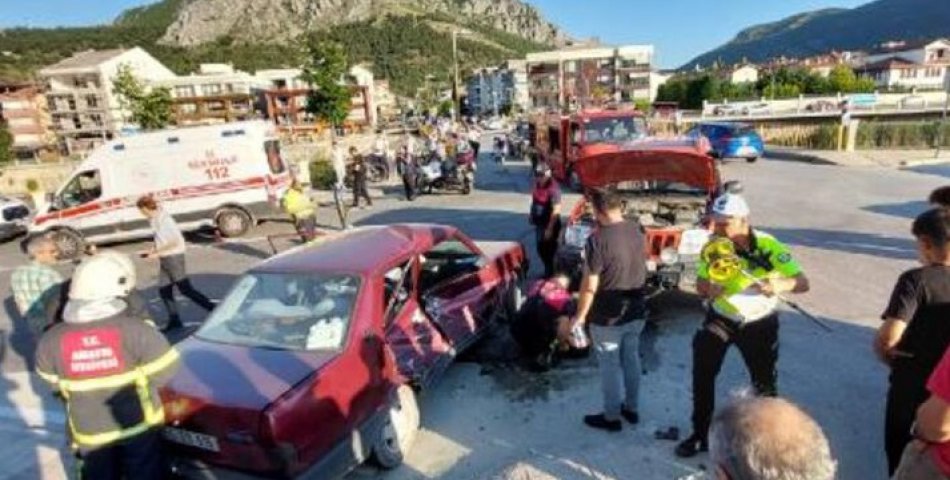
(296, 204)
(108, 372)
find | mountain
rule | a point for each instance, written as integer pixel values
(202, 21)
(834, 29)
(403, 39)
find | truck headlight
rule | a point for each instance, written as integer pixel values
(669, 256)
(576, 235)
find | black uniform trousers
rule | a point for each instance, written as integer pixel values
(139, 457)
(907, 392)
(757, 342)
(547, 248)
(360, 190)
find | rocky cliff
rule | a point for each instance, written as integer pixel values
(256, 21)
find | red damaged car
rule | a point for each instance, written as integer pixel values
(667, 186)
(309, 365)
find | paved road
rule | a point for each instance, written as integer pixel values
(849, 227)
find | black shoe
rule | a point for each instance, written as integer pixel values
(172, 325)
(600, 422)
(692, 446)
(630, 415)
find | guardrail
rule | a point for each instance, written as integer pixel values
(797, 114)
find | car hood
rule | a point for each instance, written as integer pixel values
(240, 377)
(654, 163)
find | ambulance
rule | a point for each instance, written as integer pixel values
(227, 176)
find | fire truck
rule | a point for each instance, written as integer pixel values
(564, 140)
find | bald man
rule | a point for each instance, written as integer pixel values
(768, 439)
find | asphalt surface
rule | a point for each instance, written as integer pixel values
(849, 227)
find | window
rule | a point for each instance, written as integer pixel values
(446, 261)
(85, 187)
(92, 101)
(309, 312)
(397, 290)
(187, 108)
(71, 104)
(216, 106)
(276, 163)
(211, 89)
(186, 91)
(620, 129)
(96, 119)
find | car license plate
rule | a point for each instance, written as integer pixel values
(747, 151)
(191, 439)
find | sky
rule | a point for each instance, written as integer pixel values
(680, 29)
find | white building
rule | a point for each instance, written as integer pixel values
(590, 75)
(920, 66)
(84, 108)
(744, 74)
(217, 93)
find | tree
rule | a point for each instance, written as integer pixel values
(329, 99)
(6, 143)
(151, 108)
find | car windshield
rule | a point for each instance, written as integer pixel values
(611, 130)
(741, 129)
(285, 311)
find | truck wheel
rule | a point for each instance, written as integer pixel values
(398, 431)
(69, 244)
(232, 222)
(377, 173)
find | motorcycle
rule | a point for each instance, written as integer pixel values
(435, 174)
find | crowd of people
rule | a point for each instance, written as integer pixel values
(98, 346)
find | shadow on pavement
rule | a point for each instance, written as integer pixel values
(938, 170)
(849, 242)
(908, 210)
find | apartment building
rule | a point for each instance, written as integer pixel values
(285, 98)
(23, 109)
(84, 108)
(496, 89)
(217, 93)
(906, 65)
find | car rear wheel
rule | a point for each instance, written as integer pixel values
(69, 244)
(232, 222)
(752, 159)
(399, 430)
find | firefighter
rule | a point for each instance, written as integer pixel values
(297, 204)
(107, 364)
(742, 311)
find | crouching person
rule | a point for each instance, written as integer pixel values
(542, 327)
(107, 364)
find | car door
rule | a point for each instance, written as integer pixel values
(461, 292)
(81, 205)
(419, 348)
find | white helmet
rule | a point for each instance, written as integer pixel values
(107, 274)
(730, 205)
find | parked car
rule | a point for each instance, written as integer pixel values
(668, 190)
(310, 364)
(14, 218)
(730, 140)
(724, 110)
(757, 109)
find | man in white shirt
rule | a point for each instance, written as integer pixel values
(169, 249)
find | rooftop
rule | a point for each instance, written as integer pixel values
(87, 59)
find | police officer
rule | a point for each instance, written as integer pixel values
(545, 215)
(742, 311)
(297, 204)
(107, 365)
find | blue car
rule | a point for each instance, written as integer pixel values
(730, 140)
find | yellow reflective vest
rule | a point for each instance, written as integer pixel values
(108, 372)
(297, 204)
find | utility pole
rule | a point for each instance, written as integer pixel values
(455, 81)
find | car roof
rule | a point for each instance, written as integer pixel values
(725, 124)
(360, 251)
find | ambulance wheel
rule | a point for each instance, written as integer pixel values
(232, 222)
(399, 429)
(69, 244)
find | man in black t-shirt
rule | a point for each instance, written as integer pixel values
(916, 330)
(613, 302)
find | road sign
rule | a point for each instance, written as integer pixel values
(863, 100)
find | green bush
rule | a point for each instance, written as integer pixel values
(322, 176)
(920, 135)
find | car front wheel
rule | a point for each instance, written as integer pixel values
(399, 430)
